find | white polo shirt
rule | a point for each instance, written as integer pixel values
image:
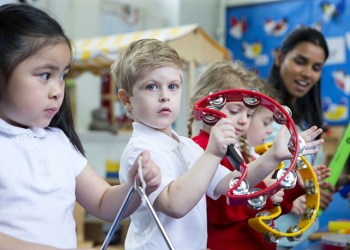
(174, 160)
(38, 168)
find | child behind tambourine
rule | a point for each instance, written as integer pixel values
(228, 225)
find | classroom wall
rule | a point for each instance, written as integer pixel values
(87, 18)
(86, 22)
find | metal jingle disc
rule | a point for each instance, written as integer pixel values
(256, 203)
(209, 119)
(251, 102)
(309, 187)
(218, 102)
(289, 181)
(271, 237)
(294, 229)
(279, 117)
(309, 212)
(287, 109)
(300, 164)
(302, 145)
(243, 188)
(265, 213)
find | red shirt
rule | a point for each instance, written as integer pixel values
(228, 227)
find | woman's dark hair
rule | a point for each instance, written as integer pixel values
(312, 99)
(25, 30)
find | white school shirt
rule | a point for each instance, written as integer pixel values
(38, 168)
(174, 160)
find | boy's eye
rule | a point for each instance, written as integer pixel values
(45, 76)
(151, 87)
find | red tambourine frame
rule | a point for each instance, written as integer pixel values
(239, 95)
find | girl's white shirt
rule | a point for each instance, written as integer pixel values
(174, 159)
(38, 168)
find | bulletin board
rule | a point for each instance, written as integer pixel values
(253, 32)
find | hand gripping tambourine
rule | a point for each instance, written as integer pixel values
(208, 108)
(263, 220)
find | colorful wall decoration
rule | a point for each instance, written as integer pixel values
(253, 32)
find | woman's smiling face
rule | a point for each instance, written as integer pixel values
(300, 68)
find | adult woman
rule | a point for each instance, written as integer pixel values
(296, 74)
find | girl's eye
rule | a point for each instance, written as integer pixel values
(64, 76)
(233, 112)
(151, 87)
(173, 86)
(249, 115)
(45, 76)
(268, 122)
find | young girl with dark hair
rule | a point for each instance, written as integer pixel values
(43, 170)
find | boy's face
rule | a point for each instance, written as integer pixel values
(260, 127)
(240, 115)
(156, 97)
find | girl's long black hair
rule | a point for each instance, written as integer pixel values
(24, 30)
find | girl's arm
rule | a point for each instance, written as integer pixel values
(267, 162)
(8, 242)
(103, 200)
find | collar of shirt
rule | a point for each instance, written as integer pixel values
(164, 141)
(11, 130)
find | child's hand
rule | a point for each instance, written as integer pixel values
(222, 135)
(322, 172)
(280, 145)
(299, 205)
(150, 172)
(309, 136)
(277, 197)
(326, 194)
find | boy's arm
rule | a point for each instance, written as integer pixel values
(182, 195)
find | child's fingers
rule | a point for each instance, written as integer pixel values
(145, 157)
(133, 171)
(151, 172)
(322, 172)
(311, 133)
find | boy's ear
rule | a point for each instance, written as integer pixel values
(124, 98)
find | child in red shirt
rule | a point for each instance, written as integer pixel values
(228, 225)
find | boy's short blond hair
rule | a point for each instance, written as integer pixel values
(141, 54)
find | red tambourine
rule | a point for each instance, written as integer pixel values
(208, 109)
